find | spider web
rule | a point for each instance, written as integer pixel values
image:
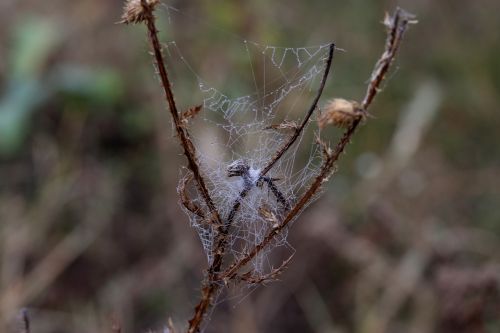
(245, 127)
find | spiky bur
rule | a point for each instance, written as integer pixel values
(340, 113)
(136, 11)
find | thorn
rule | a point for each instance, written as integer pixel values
(190, 113)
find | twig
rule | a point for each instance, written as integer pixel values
(273, 275)
(25, 321)
(326, 170)
(142, 11)
(396, 25)
(313, 107)
(297, 131)
(211, 285)
(185, 200)
(136, 12)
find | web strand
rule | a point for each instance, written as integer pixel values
(252, 127)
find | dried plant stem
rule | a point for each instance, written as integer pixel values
(182, 133)
(212, 282)
(25, 321)
(326, 170)
(313, 107)
(142, 11)
(397, 25)
(186, 201)
(298, 130)
(251, 278)
(189, 151)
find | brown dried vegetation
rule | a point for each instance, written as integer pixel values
(339, 112)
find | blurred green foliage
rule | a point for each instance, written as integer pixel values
(31, 81)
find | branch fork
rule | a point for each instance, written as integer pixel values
(142, 11)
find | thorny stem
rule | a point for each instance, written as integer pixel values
(313, 107)
(220, 243)
(221, 239)
(211, 285)
(289, 143)
(189, 151)
(182, 134)
(325, 171)
(397, 25)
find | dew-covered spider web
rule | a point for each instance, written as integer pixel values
(252, 96)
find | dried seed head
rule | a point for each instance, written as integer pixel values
(135, 11)
(340, 113)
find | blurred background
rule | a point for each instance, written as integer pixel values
(404, 239)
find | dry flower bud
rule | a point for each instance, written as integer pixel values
(135, 11)
(340, 113)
